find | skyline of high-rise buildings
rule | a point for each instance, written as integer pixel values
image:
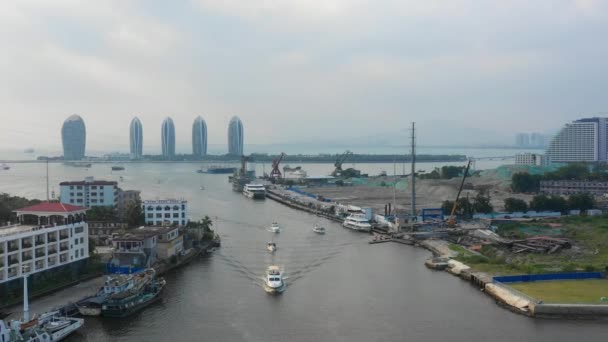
(235, 136)
(73, 134)
(73, 138)
(199, 137)
(136, 137)
(168, 138)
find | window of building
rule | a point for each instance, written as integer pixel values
(159, 215)
(77, 253)
(71, 187)
(150, 215)
(93, 194)
(176, 215)
(82, 251)
(101, 200)
(175, 222)
(183, 215)
(175, 207)
(79, 200)
(167, 207)
(75, 241)
(71, 194)
(159, 208)
(79, 187)
(93, 201)
(71, 201)
(94, 187)
(167, 215)
(81, 240)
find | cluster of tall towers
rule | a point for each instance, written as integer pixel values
(73, 136)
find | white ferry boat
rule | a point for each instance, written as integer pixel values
(274, 280)
(48, 327)
(357, 222)
(255, 191)
(319, 229)
(274, 228)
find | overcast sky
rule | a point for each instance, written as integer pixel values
(467, 71)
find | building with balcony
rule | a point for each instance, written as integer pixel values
(48, 235)
(89, 193)
(143, 247)
(166, 212)
(583, 140)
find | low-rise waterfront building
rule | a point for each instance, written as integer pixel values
(166, 212)
(570, 187)
(144, 246)
(89, 192)
(102, 231)
(48, 235)
(529, 159)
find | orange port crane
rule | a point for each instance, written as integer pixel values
(451, 221)
(276, 172)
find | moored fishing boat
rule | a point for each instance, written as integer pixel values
(129, 302)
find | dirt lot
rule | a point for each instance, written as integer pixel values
(429, 193)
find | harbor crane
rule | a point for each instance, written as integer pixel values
(276, 172)
(338, 164)
(451, 221)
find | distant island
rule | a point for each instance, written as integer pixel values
(268, 158)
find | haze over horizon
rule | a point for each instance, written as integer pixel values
(295, 71)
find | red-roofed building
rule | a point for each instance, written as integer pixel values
(48, 235)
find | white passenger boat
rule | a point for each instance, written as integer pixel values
(48, 327)
(357, 222)
(274, 228)
(274, 280)
(271, 247)
(318, 229)
(255, 191)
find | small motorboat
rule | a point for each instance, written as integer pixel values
(271, 247)
(319, 229)
(274, 280)
(274, 228)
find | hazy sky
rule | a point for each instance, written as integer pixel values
(300, 70)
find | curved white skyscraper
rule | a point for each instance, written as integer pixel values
(136, 137)
(235, 136)
(583, 140)
(199, 137)
(168, 138)
(73, 137)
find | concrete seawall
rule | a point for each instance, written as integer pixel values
(575, 311)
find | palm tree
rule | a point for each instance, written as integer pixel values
(206, 223)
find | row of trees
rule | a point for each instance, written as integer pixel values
(528, 183)
(445, 172)
(9, 203)
(465, 208)
(551, 203)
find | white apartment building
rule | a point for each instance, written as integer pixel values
(166, 212)
(529, 159)
(89, 193)
(48, 235)
(583, 140)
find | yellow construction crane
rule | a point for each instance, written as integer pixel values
(451, 221)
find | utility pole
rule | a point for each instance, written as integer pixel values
(47, 180)
(413, 173)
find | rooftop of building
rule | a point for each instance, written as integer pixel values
(143, 232)
(164, 201)
(92, 182)
(51, 207)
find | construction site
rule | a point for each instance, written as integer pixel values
(534, 246)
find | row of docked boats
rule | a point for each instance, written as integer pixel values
(47, 327)
(123, 294)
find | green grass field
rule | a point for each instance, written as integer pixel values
(588, 291)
